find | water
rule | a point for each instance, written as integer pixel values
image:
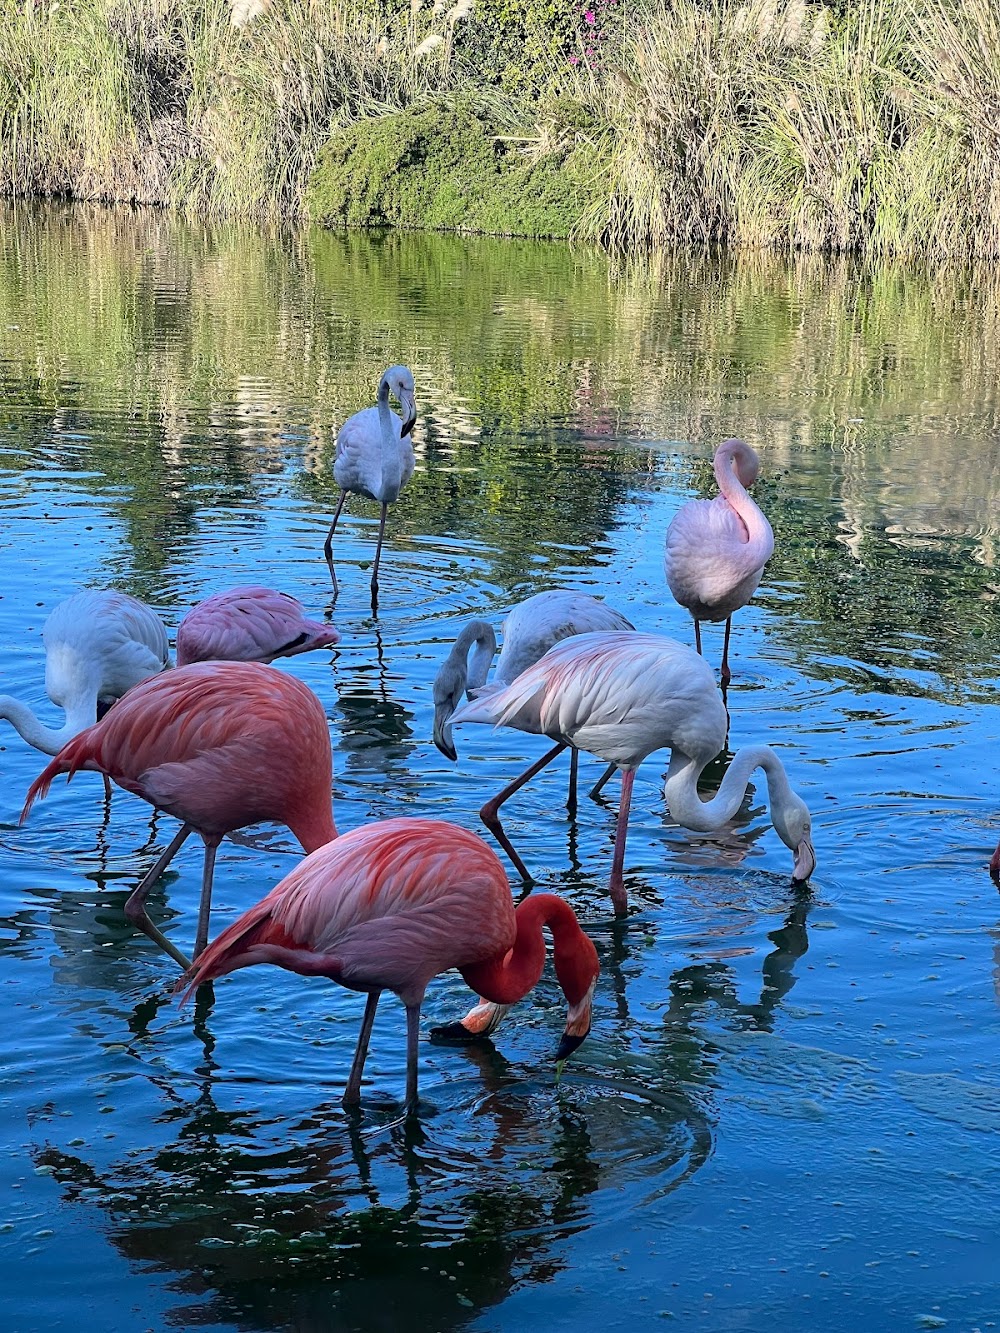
(786, 1115)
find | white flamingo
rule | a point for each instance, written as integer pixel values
(98, 644)
(622, 696)
(716, 550)
(529, 630)
(375, 457)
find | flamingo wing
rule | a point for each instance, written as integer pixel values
(249, 624)
(534, 625)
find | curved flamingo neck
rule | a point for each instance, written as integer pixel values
(32, 729)
(314, 828)
(692, 812)
(729, 475)
(509, 977)
(480, 633)
(385, 415)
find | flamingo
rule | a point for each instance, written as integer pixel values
(389, 906)
(716, 550)
(375, 457)
(622, 696)
(249, 624)
(529, 631)
(218, 745)
(98, 644)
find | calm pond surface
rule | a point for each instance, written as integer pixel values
(788, 1113)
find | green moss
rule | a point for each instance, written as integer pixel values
(445, 168)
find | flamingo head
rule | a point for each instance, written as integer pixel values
(793, 825)
(399, 381)
(449, 686)
(577, 968)
(744, 460)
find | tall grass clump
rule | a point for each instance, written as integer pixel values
(868, 125)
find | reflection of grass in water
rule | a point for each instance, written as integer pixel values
(533, 362)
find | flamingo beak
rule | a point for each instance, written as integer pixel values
(409, 406)
(577, 1025)
(805, 862)
(482, 1020)
(442, 730)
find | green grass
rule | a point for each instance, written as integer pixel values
(776, 124)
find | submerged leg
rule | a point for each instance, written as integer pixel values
(328, 545)
(412, 1044)
(205, 905)
(697, 636)
(574, 764)
(490, 816)
(352, 1092)
(617, 883)
(602, 781)
(726, 674)
(378, 552)
(135, 906)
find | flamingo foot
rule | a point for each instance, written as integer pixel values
(995, 867)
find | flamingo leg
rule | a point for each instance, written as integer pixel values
(352, 1092)
(205, 905)
(328, 545)
(602, 781)
(107, 786)
(412, 1044)
(697, 637)
(574, 764)
(135, 906)
(619, 897)
(490, 815)
(378, 552)
(726, 674)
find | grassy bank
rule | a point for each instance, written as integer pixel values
(773, 123)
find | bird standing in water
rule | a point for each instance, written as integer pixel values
(390, 905)
(529, 631)
(716, 550)
(218, 745)
(622, 696)
(375, 457)
(98, 644)
(249, 624)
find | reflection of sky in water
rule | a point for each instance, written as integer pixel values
(785, 1113)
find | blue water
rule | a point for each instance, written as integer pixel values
(787, 1113)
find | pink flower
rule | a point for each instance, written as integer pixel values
(574, 60)
(590, 17)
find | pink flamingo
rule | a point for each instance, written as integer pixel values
(622, 696)
(716, 549)
(375, 457)
(249, 624)
(389, 906)
(218, 745)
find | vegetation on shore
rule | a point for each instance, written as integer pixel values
(771, 123)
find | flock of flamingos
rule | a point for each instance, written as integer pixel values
(224, 740)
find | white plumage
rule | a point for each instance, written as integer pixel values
(623, 696)
(375, 456)
(98, 644)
